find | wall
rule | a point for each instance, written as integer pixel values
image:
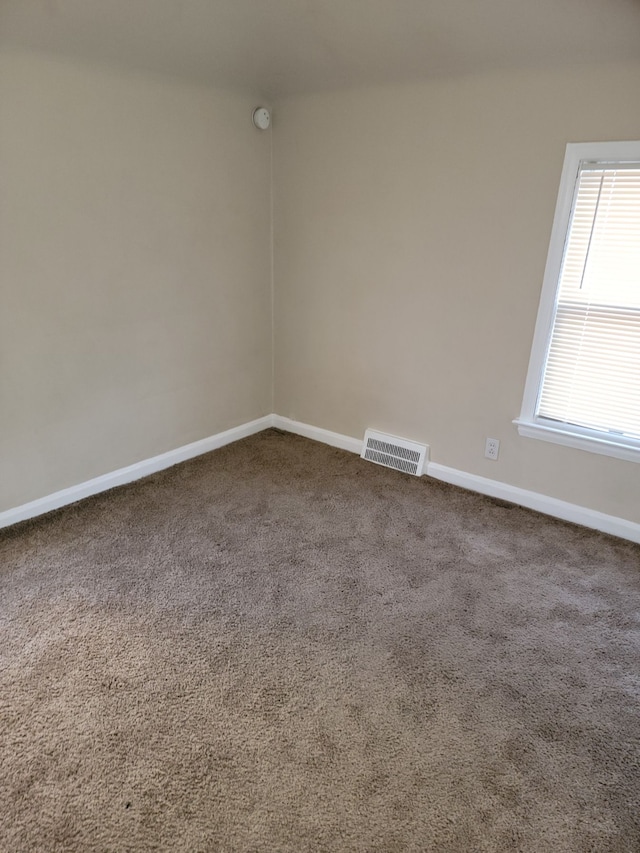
(135, 293)
(411, 228)
(411, 231)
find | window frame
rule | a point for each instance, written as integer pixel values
(529, 424)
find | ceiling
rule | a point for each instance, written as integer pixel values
(284, 47)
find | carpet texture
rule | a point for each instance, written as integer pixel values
(280, 647)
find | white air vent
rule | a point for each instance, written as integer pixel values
(394, 452)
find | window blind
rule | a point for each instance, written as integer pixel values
(591, 375)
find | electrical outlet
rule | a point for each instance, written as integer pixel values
(492, 448)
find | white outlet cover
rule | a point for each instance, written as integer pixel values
(492, 448)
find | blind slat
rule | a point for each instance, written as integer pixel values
(592, 370)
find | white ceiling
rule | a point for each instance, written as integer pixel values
(282, 47)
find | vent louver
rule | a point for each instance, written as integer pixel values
(392, 452)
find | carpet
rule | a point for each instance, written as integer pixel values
(281, 647)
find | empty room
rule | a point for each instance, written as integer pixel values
(319, 426)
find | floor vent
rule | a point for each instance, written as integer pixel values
(394, 452)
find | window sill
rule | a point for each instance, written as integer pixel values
(590, 443)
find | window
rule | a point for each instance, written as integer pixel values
(583, 385)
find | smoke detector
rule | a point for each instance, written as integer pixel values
(261, 118)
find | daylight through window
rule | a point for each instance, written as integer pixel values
(586, 372)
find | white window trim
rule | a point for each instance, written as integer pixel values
(528, 424)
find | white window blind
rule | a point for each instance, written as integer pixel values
(591, 376)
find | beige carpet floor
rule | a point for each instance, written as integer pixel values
(280, 647)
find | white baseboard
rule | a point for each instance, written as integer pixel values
(131, 472)
(494, 488)
(335, 439)
(534, 500)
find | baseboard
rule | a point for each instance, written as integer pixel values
(131, 472)
(534, 500)
(335, 439)
(493, 488)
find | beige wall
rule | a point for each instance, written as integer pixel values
(411, 226)
(134, 270)
(411, 232)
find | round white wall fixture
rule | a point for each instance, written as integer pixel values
(261, 118)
